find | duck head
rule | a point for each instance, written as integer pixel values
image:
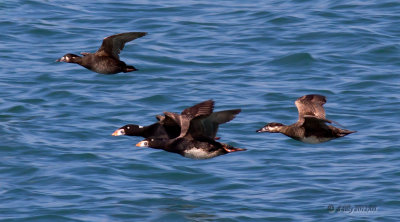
(70, 58)
(129, 130)
(152, 142)
(144, 143)
(271, 128)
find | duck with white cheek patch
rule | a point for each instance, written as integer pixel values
(200, 148)
(106, 59)
(195, 132)
(157, 129)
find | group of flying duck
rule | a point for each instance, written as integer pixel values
(193, 133)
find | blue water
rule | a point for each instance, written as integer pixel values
(59, 162)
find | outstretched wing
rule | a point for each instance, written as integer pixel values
(112, 45)
(183, 120)
(311, 105)
(200, 109)
(208, 126)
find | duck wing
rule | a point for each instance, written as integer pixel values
(316, 126)
(200, 109)
(208, 126)
(314, 123)
(311, 105)
(183, 120)
(112, 45)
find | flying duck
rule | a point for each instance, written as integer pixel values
(165, 127)
(157, 130)
(199, 126)
(106, 59)
(198, 120)
(200, 148)
(311, 126)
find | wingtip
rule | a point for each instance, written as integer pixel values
(312, 97)
(209, 102)
(237, 111)
(166, 113)
(160, 117)
(139, 34)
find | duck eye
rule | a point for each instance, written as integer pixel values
(128, 127)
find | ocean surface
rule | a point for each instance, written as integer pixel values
(59, 162)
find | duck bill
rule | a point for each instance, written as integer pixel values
(62, 59)
(262, 130)
(118, 132)
(141, 144)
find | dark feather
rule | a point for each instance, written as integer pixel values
(112, 45)
(208, 126)
(311, 105)
(203, 108)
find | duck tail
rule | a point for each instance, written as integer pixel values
(130, 69)
(344, 132)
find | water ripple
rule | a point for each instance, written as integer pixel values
(59, 162)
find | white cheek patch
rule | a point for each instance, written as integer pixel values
(273, 129)
(140, 127)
